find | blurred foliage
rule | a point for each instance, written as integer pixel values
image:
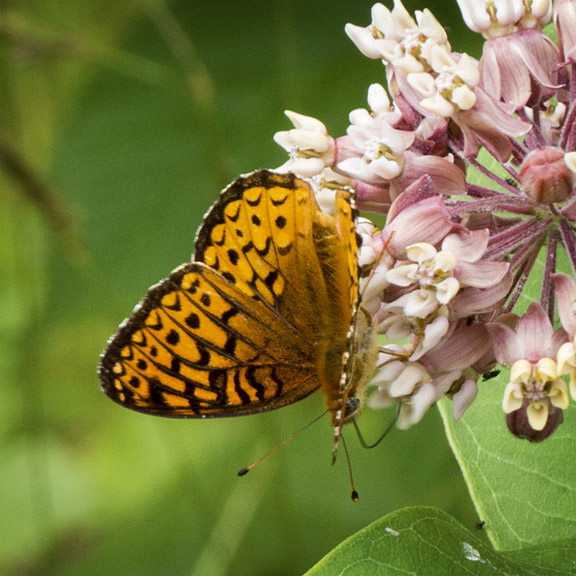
(120, 122)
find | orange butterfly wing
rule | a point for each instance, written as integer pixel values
(261, 317)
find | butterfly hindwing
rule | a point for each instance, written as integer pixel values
(196, 346)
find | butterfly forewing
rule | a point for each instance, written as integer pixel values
(259, 319)
(262, 236)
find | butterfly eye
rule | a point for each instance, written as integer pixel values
(353, 406)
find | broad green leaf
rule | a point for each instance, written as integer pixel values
(525, 492)
(426, 541)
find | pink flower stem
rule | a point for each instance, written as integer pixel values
(569, 241)
(498, 203)
(476, 191)
(547, 294)
(496, 179)
(520, 237)
(526, 257)
(519, 151)
(568, 137)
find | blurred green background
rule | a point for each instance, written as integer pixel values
(120, 122)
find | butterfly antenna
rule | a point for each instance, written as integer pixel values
(382, 436)
(353, 492)
(247, 469)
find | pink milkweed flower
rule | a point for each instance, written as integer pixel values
(417, 215)
(373, 152)
(513, 65)
(444, 275)
(310, 147)
(395, 36)
(517, 56)
(444, 371)
(536, 395)
(474, 165)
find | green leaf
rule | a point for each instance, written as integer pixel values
(525, 492)
(427, 541)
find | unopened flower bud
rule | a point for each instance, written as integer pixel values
(545, 176)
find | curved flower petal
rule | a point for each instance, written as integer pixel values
(469, 247)
(385, 168)
(513, 398)
(506, 344)
(459, 350)
(402, 275)
(521, 371)
(445, 262)
(426, 221)
(537, 414)
(410, 377)
(446, 290)
(413, 411)
(446, 175)
(433, 333)
(471, 301)
(559, 394)
(364, 40)
(535, 333)
(464, 398)
(420, 252)
(421, 303)
(482, 274)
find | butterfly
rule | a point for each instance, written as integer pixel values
(267, 312)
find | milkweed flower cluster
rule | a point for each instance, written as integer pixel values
(474, 163)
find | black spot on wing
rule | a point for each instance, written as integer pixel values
(215, 216)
